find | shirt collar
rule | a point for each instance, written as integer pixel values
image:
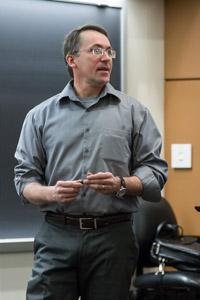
(68, 92)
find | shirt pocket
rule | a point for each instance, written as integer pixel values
(115, 147)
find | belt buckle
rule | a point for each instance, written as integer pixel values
(81, 223)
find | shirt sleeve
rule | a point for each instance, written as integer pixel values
(147, 163)
(30, 155)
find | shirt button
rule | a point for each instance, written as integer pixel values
(87, 129)
(86, 150)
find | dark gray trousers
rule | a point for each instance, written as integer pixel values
(94, 264)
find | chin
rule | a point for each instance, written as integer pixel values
(100, 82)
(104, 80)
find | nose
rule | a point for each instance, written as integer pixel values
(105, 56)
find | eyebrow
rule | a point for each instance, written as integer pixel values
(100, 46)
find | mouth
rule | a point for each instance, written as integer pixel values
(103, 69)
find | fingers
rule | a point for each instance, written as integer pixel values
(99, 179)
(99, 176)
(69, 184)
(66, 191)
(103, 182)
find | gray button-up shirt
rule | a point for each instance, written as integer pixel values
(63, 139)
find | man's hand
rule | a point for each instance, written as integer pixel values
(107, 183)
(61, 192)
(103, 182)
(66, 191)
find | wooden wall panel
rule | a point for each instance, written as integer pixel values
(182, 125)
(182, 39)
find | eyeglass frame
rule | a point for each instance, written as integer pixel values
(101, 53)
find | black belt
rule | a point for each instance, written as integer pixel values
(87, 222)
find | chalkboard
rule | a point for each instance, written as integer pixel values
(32, 69)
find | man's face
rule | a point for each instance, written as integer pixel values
(93, 69)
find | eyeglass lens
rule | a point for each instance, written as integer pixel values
(101, 51)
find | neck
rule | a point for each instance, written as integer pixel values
(87, 90)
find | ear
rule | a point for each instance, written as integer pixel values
(70, 59)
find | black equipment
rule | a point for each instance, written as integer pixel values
(169, 261)
(174, 248)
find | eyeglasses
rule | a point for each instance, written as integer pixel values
(98, 51)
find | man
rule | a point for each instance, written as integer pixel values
(84, 156)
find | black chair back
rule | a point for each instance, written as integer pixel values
(146, 221)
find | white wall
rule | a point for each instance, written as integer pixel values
(14, 272)
(145, 55)
(144, 52)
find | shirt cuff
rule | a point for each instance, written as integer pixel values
(151, 188)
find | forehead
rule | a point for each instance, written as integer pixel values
(92, 37)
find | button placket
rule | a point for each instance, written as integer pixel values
(86, 150)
